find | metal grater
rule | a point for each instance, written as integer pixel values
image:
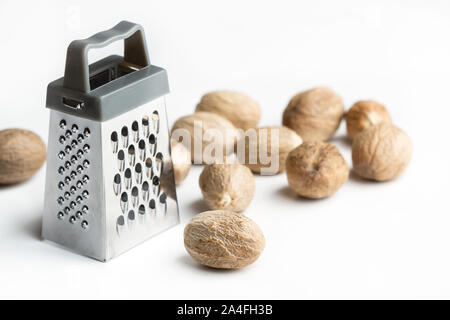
(110, 182)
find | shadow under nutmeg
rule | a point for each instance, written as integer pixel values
(342, 139)
(288, 193)
(193, 208)
(191, 263)
(354, 177)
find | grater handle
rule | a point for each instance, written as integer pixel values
(76, 75)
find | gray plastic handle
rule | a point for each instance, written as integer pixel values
(76, 75)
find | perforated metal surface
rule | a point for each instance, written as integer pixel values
(109, 185)
(74, 209)
(139, 167)
(74, 181)
(139, 183)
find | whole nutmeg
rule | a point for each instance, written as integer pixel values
(240, 109)
(227, 186)
(181, 159)
(314, 114)
(364, 114)
(381, 152)
(22, 153)
(211, 132)
(316, 169)
(223, 239)
(266, 156)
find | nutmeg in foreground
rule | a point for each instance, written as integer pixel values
(181, 159)
(22, 154)
(381, 152)
(314, 114)
(223, 239)
(364, 114)
(227, 186)
(287, 140)
(316, 170)
(240, 109)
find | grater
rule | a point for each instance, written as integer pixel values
(109, 181)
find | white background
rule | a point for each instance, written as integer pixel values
(370, 240)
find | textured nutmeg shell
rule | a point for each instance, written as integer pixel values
(381, 152)
(181, 159)
(316, 170)
(223, 239)
(227, 186)
(205, 121)
(22, 154)
(238, 108)
(271, 149)
(314, 114)
(364, 114)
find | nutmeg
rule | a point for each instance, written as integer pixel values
(241, 110)
(223, 239)
(381, 152)
(22, 154)
(314, 114)
(206, 122)
(227, 186)
(269, 156)
(316, 169)
(181, 159)
(364, 114)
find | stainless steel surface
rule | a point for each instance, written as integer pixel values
(129, 229)
(73, 206)
(109, 185)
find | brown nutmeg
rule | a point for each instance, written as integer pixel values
(227, 186)
(181, 159)
(287, 140)
(22, 154)
(223, 239)
(208, 122)
(314, 114)
(241, 110)
(381, 152)
(316, 169)
(364, 114)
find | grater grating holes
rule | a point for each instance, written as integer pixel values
(131, 155)
(124, 134)
(73, 191)
(141, 163)
(135, 131)
(155, 121)
(131, 215)
(145, 127)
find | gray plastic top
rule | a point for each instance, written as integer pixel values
(111, 86)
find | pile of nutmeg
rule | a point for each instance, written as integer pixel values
(224, 238)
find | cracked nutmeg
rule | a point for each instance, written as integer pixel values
(316, 169)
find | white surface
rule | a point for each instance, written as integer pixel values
(370, 240)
